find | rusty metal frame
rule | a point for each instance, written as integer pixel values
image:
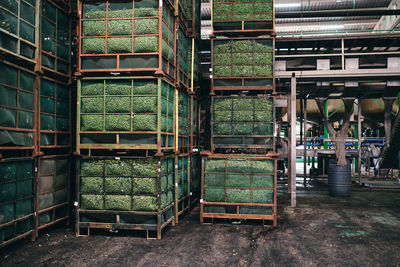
(179, 148)
(158, 146)
(194, 23)
(243, 147)
(16, 56)
(262, 89)
(195, 175)
(243, 29)
(194, 121)
(40, 147)
(65, 7)
(238, 215)
(182, 78)
(30, 216)
(52, 208)
(156, 71)
(34, 111)
(182, 204)
(117, 225)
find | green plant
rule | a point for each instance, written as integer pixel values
(146, 26)
(239, 166)
(145, 87)
(263, 45)
(242, 46)
(92, 167)
(222, 46)
(242, 71)
(242, 16)
(94, 28)
(118, 202)
(238, 195)
(118, 185)
(122, 13)
(145, 104)
(263, 166)
(222, 116)
(92, 104)
(262, 129)
(92, 185)
(240, 103)
(262, 196)
(93, 46)
(146, 12)
(92, 122)
(222, 17)
(263, 181)
(145, 186)
(214, 195)
(144, 122)
(263, 58)
(118, 122)
(238, 180)
(118, 167)
(215, 165)
(222, 8)
(222, 129)
(242, 58)
(242, 115)
(263, 16)
(118, 104)
(263, 103)
(94, 14)
(242, 8)
(144, 203)
(146, 44)
(92, 202)
(145, 168)
(118, 87)
(222, 59)
(119, 45)
(223, 104)
(263, 7)
(92, 88)
(263, 71)
(243, 129)
(119, 27)
(222, 71)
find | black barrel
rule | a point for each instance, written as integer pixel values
(339, 179)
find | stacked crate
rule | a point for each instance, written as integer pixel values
(134, 115)
(35, 111)
(238, 178)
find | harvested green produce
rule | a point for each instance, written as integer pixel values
(118, 87)
(92, 185)
(144, 203)
(263, 71)
(263, 46)
(95, 202)
(238, 195)
(242, 71)
(263, 104)
(263, 181)
(223, 104)
(243, 129)
(118, 122)
(146, 12)
(92, 104)
(145, 186)
(144, 122)
(222, 116)
(119, 27)
(262, 7)
(118, 104)
(222, 46)
(93, 46)
(255, 210)
(263, 116)
(243, 103)
(92, 88)
(238, 180)
(94, 28)
(146, 44)
(263, 166)
(118, 167)
(243, 58)
(145, 87)
(242, 46)
(94, 14)
(119, 45)
(92, 122)
(222, 129)
(222, 8)
(120, 14)
(145, 104)
(92, 167)
(262, 196)
(215, 165)
(239, 166)
(263, 58)
(242, 116)
(214, 195)
(262, 129)
(118, 203)
(118, 185)
(242, 8)
(222, 17)
(145, 168)
(242, 16)
(264, 16)
(145, 26)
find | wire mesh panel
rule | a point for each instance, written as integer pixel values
(182, 46)
(242, 64)
(195, 123)
(55, 114)
(183, 121)
(17, 107)
(129, 113)
(235, 16)
(127, 36)
(126, 193)
(243, 122)
(16, 199)
(193, 14)
(182, 185)
(239, 187)
(53, 190)
(55, 30)
(195, 165)
(18, 28)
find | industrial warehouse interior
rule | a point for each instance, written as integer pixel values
(200, 132)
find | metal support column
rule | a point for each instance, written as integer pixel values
(292, 142)
(305, 142)
(359, 140)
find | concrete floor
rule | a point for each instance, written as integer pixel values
(363, 230)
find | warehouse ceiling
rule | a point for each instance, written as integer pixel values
(324, 24)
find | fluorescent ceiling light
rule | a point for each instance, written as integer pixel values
(288, 5)
(331, 27)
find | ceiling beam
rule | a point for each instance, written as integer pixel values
(388, 23)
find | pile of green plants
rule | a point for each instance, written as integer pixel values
(117, 202)
(119, 45)
(242, 10)
(145, 44)
(93, 46)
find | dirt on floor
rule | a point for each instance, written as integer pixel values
(363, 230)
